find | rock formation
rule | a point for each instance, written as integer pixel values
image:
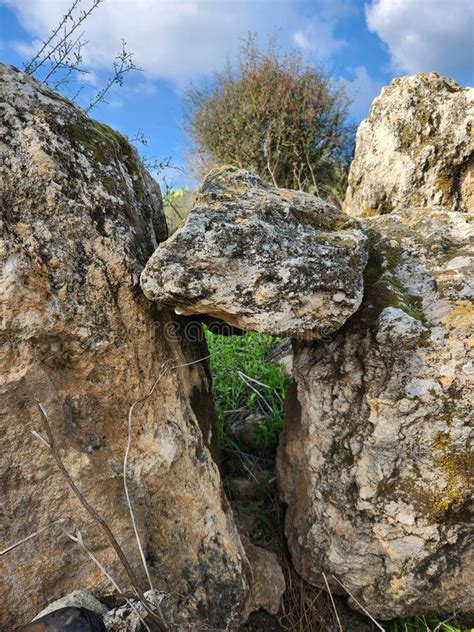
(418, 144)
(260, 258)
(79, 219)
(376, 461)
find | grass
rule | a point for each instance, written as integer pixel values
(249, 390)
(424, 624)
(246, 383)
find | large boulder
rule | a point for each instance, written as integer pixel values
(79, 218)
(376, 460)
(415, 148)
(261, 258)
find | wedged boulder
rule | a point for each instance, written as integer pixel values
(80, 217)
(415, 148)
(376, 460)
(261, 258)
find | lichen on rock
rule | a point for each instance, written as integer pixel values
(376, 459)
(260, 258)
(415, 148)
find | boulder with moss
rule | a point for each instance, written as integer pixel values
(418, 146)
(376, 461)
(80, 217)
(260, 258)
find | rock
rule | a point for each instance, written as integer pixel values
(261, 258)
(244, 488)
(282, 354)
(245, 429)
(77, 599)
(80, 218)
(126, 618)
(376, 460)
(268, 585)
(70, 619)
(415, 149)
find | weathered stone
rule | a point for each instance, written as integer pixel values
(260, 258)
(414, 149)
(376, 461)
(80, 218)
(268, 581)
(130, 616)
(76, 599)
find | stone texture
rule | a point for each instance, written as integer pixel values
(76, 599)
(127, 619)
(376, 461)
(268, 581)
(415, 148)
(260, 258)
(80, 217)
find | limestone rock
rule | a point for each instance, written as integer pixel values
(415, 149)
(76, 599)
(260, 258)
(268, 585)
(80, 218)
(126, 618)
(376, 461)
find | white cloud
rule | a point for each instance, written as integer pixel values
(318, 38)
(362, 89)
(176, 40)
(425, 35)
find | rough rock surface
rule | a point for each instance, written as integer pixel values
(126, 618)
(376, 462)
(261, 258)
(417, 147)
(268, 581)
(80, 217)
(76, 599)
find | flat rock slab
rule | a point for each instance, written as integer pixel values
(261, 258)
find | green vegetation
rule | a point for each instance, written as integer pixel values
(425, 624)
(177, 204)
(249, 390)
(276, 116)
(383, 287)
(247, 384)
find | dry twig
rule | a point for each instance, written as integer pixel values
(155, 617)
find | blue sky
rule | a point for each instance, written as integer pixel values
(365, 43)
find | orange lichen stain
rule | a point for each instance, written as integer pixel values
(241, 220)
(461, 316)
(446, 381)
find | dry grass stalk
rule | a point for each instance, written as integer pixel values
(80, 541)
(125, 473)
(32, 535)
(332, 602)
(358, 603)
(156, 617)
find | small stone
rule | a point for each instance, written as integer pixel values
(268, 581)
(78, 599)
